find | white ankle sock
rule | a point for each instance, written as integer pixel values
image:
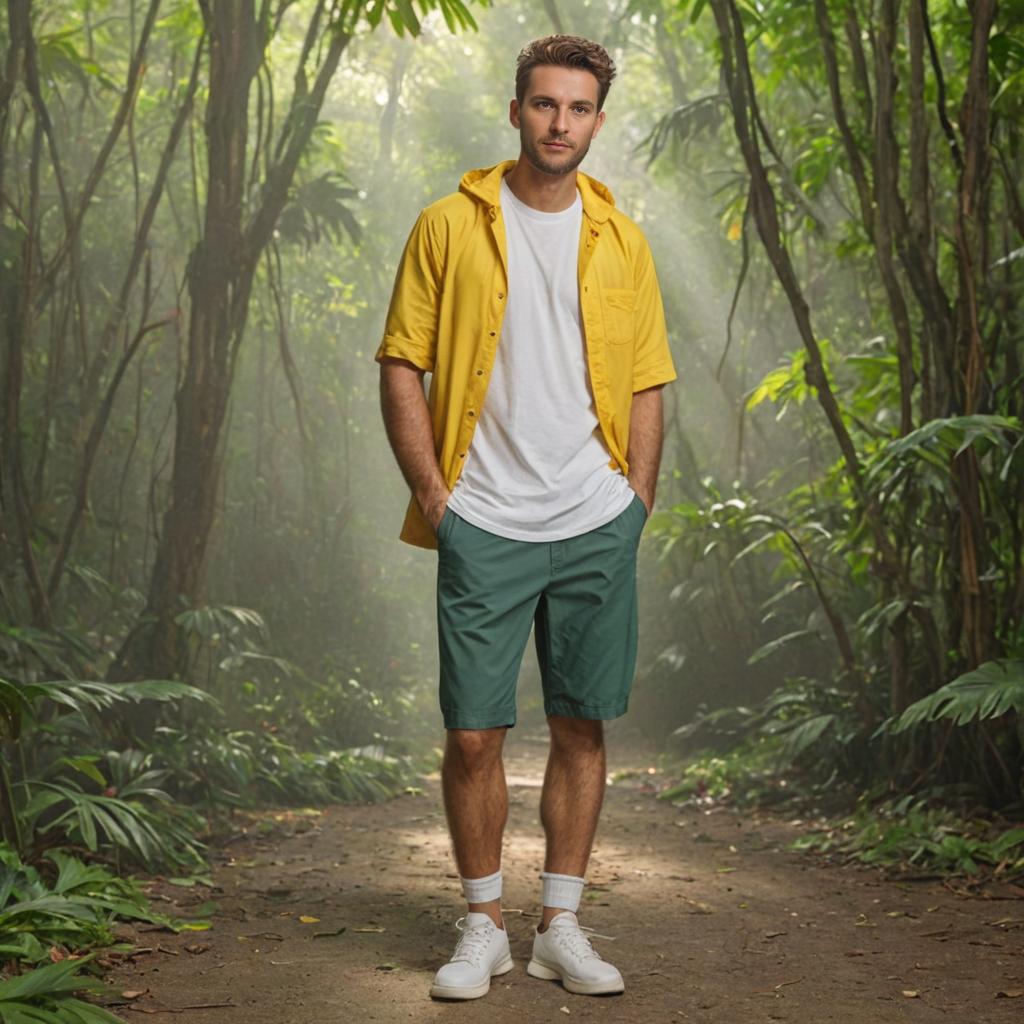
(562, 891)
(482, 890)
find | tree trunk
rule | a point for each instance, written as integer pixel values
(220, 277)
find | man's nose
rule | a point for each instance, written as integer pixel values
(560, 121)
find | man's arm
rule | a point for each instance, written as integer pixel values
(407, 422)
(645, 436)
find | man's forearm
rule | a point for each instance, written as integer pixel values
(408, 426)
(645, 436)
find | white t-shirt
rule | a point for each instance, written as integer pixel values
(538, 468)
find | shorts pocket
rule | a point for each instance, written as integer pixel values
(642, 512)
(444, 528)
(619, 315)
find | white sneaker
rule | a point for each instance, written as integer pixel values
(481, 953)
(565, 953)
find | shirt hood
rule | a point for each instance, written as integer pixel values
(484, 185)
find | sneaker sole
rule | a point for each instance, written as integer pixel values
(471, 991)
(582, 988)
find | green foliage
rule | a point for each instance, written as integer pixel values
(744, 776)
(155, 837)
(67, 797)
(44, 996)
(403, 16)
(788, 383)
(316, 211)
(73, 906)
(907, 832)
(240, 767)
(79, 696)
(803, 728)
(62, 906)
(929, 451)
(993, 689)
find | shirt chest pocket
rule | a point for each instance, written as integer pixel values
(619, 315)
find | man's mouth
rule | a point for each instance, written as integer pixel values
(557, 145)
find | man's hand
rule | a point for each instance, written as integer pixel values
(645, 435)
(434, 512)
(647, 499)
(407, 421)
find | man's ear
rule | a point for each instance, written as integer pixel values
(513, 113)
(597, 124)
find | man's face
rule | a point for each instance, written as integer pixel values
(558, 118)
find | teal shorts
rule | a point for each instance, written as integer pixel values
(578, 594)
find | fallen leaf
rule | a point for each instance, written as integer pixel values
(912, 993)
(387, 967)
(327, 935)
(307, 919)
(133, 993)
(565, 1009)
(368, 929)
(700, 907)
(1010, 993)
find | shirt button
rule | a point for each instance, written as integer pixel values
(501, 295)
(479, 373)
(471, 414)
(492, 334)
(462, 455)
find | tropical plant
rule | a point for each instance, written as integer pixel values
(45, 996)
(67, 904)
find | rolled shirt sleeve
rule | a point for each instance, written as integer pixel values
(410, 329)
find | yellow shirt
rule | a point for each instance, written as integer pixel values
(448, 303)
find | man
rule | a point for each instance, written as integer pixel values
(529, 287)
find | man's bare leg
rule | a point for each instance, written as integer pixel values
(571, 799)
(476, 804)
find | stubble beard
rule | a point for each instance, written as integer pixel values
(536, 156)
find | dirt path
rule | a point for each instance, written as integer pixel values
(713, 921)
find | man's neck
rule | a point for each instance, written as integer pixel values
(550, 193)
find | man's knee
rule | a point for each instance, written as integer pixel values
(473, 750)
(576, 735)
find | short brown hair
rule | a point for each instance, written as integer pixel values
(565, 52)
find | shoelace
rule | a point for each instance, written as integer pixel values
(576, 942)
(473, 943)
